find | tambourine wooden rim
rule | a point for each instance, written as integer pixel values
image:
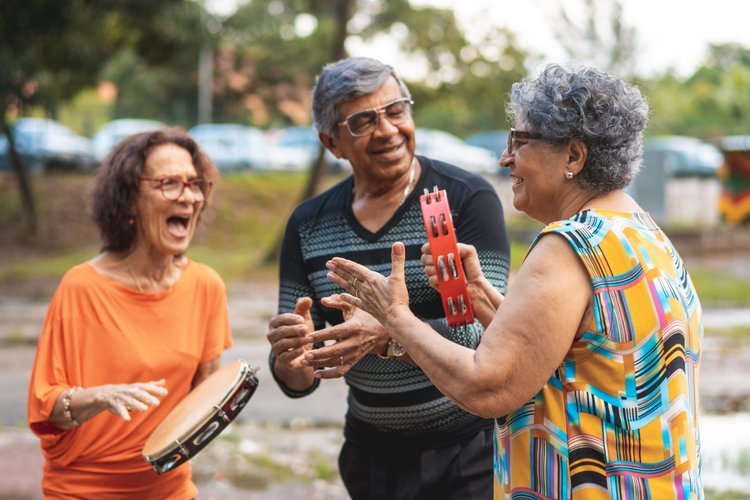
(200, 416)
(438, 223)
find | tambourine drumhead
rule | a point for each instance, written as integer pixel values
(197, 407)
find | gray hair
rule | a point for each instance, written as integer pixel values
(606, 113)
(346, 80)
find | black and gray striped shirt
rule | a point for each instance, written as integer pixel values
(389, 400)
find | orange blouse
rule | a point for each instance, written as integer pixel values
(100, 332)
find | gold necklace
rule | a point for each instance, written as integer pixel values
(412, 171)
(130, 271)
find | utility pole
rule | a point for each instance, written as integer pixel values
(205, 73)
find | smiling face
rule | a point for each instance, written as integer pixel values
(166, 227)
(537, 170)
(386, 153)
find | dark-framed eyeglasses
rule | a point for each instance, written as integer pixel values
(173, 187)
(365, 122)
(518, 137)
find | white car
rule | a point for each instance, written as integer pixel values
(113, 132)
(440, 145)
(297, 148)
(233, 146)
(44, 145)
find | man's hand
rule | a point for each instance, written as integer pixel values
(360, 334)
(287, 334)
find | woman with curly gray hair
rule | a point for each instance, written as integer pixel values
(590, 362)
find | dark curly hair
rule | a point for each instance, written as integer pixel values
(117, 182)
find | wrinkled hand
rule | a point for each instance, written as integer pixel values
(469, 260)
(485, 298)
(360, 334)
(287, 334)
(121, 399)
(370, 291)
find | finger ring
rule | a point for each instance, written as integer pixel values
(356, 292)
(290, 349)
(354, 283)
(341, 360)
(129, 408)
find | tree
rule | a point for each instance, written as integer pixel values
(710, 103)
(49, 50)
(604, 41)
(272, 49)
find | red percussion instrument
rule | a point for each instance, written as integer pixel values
(206, 411)
(450, 272)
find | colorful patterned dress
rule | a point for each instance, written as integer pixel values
(619, 417)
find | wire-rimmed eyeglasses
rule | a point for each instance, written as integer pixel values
(173, 187)
(365, 122)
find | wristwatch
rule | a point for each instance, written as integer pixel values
(394, 350)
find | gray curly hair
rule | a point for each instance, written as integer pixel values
(343, 81)
(606, 113)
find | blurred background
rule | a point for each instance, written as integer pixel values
(78, 76)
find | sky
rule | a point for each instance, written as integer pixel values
(671, 34)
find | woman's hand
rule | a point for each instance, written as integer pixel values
(370, 291)
(469, 260)
(485, 299)
(118, 399)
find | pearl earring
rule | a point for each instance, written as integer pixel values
(569, 175)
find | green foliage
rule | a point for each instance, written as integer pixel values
(49, 50)
(713, 102)
(720, 288)
(266, 62)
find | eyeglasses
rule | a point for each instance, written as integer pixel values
(518, 137)
(365, 122)
(173, 187)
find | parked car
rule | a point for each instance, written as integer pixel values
(113, 132)
(46, 145)
(494, 140)
(233, 146)
(681, 156)
(440, 145)
(297, 148)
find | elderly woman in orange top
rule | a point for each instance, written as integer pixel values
(590, 362)
(131, 331)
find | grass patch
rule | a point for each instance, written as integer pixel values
(45, 266)
(240, 230)
(719, 288)
(726, 495)
(736, 336)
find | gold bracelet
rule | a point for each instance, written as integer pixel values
(66, 406)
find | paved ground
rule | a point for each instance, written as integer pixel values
(278, 448)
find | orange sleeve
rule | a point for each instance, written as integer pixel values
(48, 378)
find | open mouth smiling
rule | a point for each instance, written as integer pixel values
(178, 225)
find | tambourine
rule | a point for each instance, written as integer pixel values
(450, 272)
(200, 416)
